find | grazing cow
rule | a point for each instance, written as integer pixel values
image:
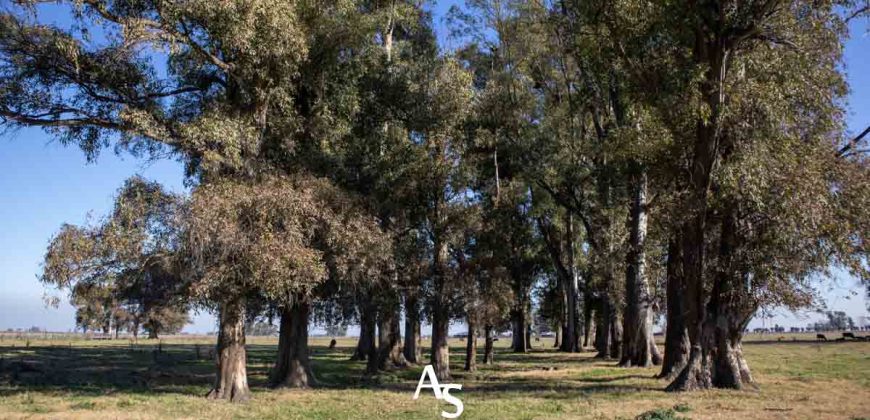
(821, 337)
(332, 344)
(853, 336)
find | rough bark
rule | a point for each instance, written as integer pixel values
(440, 354)
(488, 345)
(440, 357)
(615, 334)
(367, 330)
(603, 329)
(231, 382)
(471, 347)
(561, 250)
(390, 341)
(558, 341)
(587, 320)
(412, 347)
(519, 337)
(716, 360)
(711, 52)
(719, 361)
(676, 336)
(572, 340)
(293, 367)
(638, 347)
(695, 374)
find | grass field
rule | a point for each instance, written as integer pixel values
(116, 379)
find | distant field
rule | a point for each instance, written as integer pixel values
(75, 378)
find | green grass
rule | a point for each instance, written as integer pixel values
(119, 379)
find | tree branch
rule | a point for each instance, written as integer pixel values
(852, 143)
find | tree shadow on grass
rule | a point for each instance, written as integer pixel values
(189, 369)
(109, 369)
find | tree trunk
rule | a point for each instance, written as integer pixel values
(657, 357)
(373, 356)
(615, 333)
(676, 336)
(587, 320)
(412, 347)
(558, 341)
(729, 311)
(232, 374)
(488, 345)
(152, 334)
(519, 344)
(602, 329)
(562, 330)
(471, 348)
(293, 367)
(571, 340)
(711, 53)
(717, 359)
(390, 340)
(638, 347)
(561, 250)
(564, 333)
(367, 330)
(529, 336)
(695, 374)
(440, 355)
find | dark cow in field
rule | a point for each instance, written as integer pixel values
(853, 336)
(821, 337)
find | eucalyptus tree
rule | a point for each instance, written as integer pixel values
(376, 158)
(94, 305)
(416, 269)
(746, 57)
(126, 267)
(560, 238)
(233, 89)
(505, 130)
(583, 119)
(440, 182)
(282, 238)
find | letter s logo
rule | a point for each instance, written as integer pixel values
(452, 400)
(442, 392)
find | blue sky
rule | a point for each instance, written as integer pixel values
(43, 185)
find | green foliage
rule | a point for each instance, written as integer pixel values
(336, 155)
(124, 272)
(281, 237)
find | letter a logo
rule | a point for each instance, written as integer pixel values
(429, 372)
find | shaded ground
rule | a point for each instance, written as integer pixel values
(167, 379)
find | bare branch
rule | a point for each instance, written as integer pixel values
(852, 143)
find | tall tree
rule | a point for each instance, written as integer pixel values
(129, 263)
(281, 238)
